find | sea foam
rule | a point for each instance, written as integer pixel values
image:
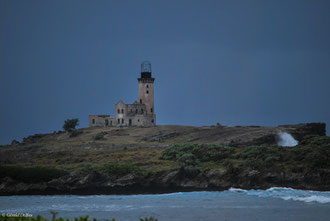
(286, 193)
(309, 199)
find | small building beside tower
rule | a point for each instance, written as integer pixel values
(140, 113)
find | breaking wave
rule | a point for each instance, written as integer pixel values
(309, 199)
(284, 193)
(231, 189)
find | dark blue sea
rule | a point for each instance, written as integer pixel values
(278, 204)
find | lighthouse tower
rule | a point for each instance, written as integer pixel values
(140, 113)
(146, 88)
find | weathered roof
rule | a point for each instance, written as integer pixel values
(120, 102)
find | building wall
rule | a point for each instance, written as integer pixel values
(144, 120)
(133, 115)
(121, 112)
(101, 120)
(140, 113)
(135, 109)
(146, 94)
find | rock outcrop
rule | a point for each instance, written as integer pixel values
(180, 179)
(299, 131)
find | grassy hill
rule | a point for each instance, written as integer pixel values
(139, 146)
(167, 158)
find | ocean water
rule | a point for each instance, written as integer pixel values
(278, 204)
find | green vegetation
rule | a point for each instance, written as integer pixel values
(193, 154)
(316, 141)
(100, 136)
(70, 124)
(263, 155)
(118, 169)
(30, 174)
(115, 169)
(313, 152)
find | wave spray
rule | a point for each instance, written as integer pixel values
(285, 139)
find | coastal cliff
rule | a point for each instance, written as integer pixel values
(175, 180)
(165, 159)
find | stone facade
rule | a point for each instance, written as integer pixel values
(100, 120)
(140, 113)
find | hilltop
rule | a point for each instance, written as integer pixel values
(132, 159)
(95, 145)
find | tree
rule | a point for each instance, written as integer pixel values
(70, 124)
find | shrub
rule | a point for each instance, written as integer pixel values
(174, 152)
(119, 169)
(188, 159)
(70, 124)
(100, 136)
(263, 155)
(192, 154)
(315, 153)
(212, 152)
(317, 157)
(31, 174)
(316, 141)
(262, 152)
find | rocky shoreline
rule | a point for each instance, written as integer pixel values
(175, 180)
(307, 167)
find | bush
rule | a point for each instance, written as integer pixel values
(314, 153)
(212, 152)
(100, 136)
(316, 156)
(174, 152)
(263, 155)
(188, 159)
(119, 169)
(30, 174)
(70, 124)
(316, 141)
(192, 154)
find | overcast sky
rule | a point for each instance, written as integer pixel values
(232, 62)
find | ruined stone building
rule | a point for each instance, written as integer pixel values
(140, 113)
